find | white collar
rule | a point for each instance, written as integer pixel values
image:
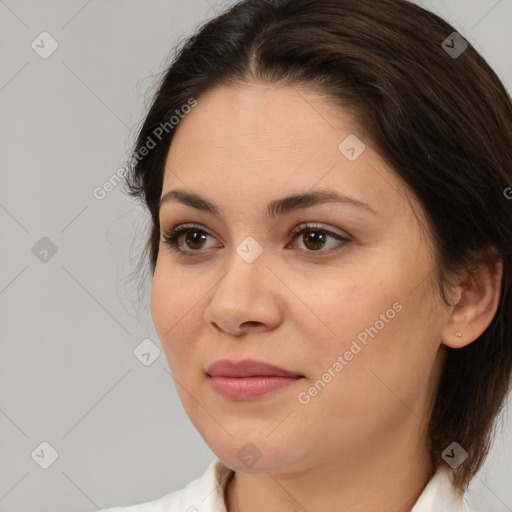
(439, 494)
(206, 494)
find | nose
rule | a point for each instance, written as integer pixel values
(246, 299)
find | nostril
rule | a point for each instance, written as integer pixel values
(216, 326)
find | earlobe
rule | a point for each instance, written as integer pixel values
(476, 307)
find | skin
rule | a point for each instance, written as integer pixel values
(361, 440)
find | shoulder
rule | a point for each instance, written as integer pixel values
(205, 493)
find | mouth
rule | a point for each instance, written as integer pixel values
(248, 379)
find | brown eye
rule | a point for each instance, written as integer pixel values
(194, 236)
(195, 239)
(313, 239)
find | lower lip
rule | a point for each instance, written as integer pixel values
(247, 388)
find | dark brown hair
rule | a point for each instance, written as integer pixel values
(442, 122)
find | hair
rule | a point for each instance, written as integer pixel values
(443, 123)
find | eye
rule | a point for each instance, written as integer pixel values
(314, 237)
(194, 237)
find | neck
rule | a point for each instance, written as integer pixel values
(388, 480)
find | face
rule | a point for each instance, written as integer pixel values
(337, 293)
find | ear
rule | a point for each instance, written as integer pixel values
(477, 303)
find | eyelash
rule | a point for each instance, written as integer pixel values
(171, 238)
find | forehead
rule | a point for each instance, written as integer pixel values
(277, 116)
(260, 141)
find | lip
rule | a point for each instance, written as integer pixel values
(247, 368)
(248, 379)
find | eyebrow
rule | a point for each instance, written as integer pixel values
(275, 208)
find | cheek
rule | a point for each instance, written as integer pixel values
(349, 306)
(380, 318)
(390, 355)
(176, 312)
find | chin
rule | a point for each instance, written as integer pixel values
(254, 455)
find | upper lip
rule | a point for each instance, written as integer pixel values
(246, 368)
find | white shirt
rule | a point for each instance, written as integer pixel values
(206, 494)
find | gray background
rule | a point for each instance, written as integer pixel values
(70, 324)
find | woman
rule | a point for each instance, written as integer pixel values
(329, 187)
